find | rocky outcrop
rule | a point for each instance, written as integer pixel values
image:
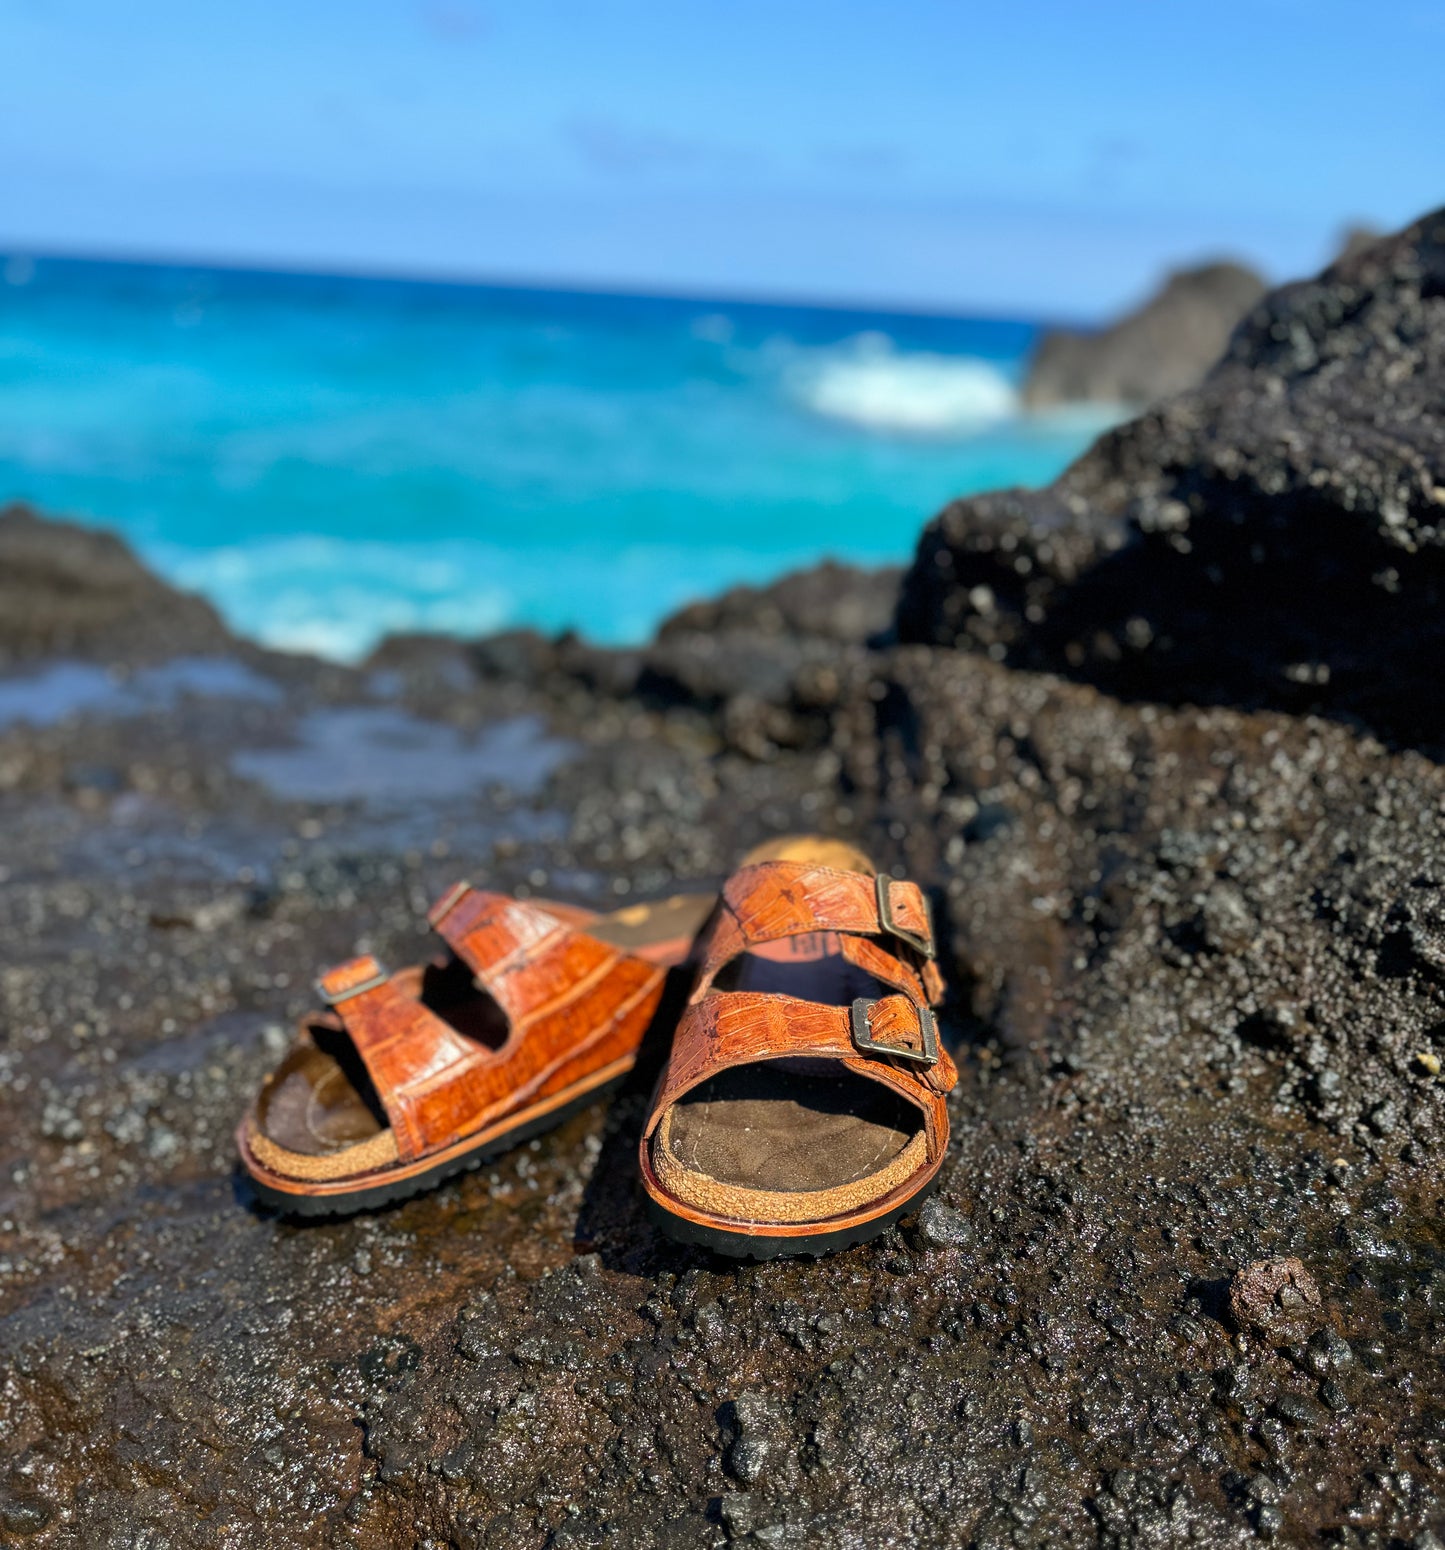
(830, 601)
(772, 665)
(1355, 239)
(766, 667)
(1163, 347)
(1196, 960)
(1274, 538)
(74, 591)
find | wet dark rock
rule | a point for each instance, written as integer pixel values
(1333, 1396)
(1162, 347)
(1273, 537)
(1268, 1519)
(1364, 1243)
(701, 668)
(1276, 1298)
(1328, 1352)
(24, 1518)
(766, 695)
(515, 656)
(942, 1226)
(72, 591)
(775, 1534)
(1140, 1507)
(756, 1425)
(429, 666)
(1300, 1411)
(839, 603)
(738, 1511)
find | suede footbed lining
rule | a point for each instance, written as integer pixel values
(738, 1203)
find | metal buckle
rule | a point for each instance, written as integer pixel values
(866, 1044)
(886, 922)
(443, 907)
(351, 990)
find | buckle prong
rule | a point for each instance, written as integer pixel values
(866, 1044)
(887, 921)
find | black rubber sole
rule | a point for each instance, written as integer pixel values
(379, 1195)
(746, 1245)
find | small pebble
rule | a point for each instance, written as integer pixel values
(940, 1226)
(22, 1517)
(1334, 1396)
(757, 1425)
(1307, 1414)
(1275, 1298)
(1328, 1352)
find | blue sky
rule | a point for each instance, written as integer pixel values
(1044, 158)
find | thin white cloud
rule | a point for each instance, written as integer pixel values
(452, 21)
(616, 149)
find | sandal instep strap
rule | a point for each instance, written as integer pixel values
(526, 959)
(919, 982)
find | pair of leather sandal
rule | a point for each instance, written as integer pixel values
(801, 1109)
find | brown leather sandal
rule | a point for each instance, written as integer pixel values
(414, 1076)
(802, 1108)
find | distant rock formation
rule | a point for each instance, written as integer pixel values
(74, 591)
(1165, 346)
(1355, 239)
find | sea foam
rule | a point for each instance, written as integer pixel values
(336, 597)
(870, 383)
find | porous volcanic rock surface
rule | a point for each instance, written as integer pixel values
(1274, 538)
(1198, 970)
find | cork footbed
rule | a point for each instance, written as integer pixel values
(318, 1117)
(793, 1140)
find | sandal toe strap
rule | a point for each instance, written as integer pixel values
(884, 918)
(524, 957)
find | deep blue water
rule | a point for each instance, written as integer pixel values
(329, 459)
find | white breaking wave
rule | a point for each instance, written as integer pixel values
(872, 384)
(338, 597)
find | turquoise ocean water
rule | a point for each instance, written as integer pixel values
(330, 459)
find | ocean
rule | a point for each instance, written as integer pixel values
(331, 459)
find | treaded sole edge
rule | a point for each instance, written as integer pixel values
(758, 1246)
(379, 1195)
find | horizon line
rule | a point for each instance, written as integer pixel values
(640, 290)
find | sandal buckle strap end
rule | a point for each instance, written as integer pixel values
(920, 941)
(866, 1043)
(447, 903)
(351, 979)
